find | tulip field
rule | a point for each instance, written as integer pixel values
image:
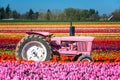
(16, 70)
(105, 52)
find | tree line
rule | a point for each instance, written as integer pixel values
(65, 15)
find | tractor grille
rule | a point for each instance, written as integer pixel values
(82, 46)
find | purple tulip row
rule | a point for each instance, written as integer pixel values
(106, 48)
(95, 47)
(8, 46)
(59, 71)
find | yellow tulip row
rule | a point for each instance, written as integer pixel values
(60, 23)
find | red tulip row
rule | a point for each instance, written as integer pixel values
(9, 40)
(52, 25)
(99, 58)
(84, 31)
(99, 43)
(61, 28)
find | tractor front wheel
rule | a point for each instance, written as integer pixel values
(33, 47)
(85, 58)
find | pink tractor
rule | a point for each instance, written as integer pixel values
(41, 46)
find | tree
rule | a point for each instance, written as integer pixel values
(7, 12)
(24, 16)
(36, 15)
(93, 15)
(62, 16)
(2, 13)
(91, 12)
(30, 14)
(77, 14)
(70, 13)
(84, 14)
(116, 15)
(56, 14)
(42, 16)
(103, 17)
(48, 15)
(15, 14)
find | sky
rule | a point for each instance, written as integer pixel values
(22, 6)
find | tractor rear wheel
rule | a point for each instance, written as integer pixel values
(33, 47)
(85, 58)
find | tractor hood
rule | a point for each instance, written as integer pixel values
(39, 33)
(74, 38)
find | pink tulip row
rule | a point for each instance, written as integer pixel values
(59, 71)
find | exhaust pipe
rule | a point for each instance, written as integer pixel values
(72, 29)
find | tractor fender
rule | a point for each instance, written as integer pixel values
(44, 34)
